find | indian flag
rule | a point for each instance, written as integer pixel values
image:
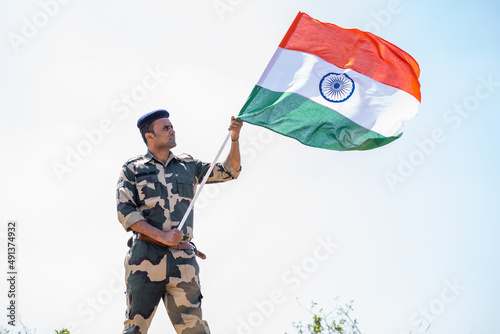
(335, 88)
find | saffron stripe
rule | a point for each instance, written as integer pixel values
(354, 49)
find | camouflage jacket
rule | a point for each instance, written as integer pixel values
(161, 193)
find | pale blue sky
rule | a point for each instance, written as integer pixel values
(422, 247)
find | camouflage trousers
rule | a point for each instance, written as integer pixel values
(152, 273)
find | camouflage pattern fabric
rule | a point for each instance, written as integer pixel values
(170, 275)
(160, 194)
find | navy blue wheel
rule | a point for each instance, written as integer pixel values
(336, 87)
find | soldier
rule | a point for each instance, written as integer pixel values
(153, 193)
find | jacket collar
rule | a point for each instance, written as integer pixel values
(149, 156)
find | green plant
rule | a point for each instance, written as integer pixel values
(337, 321)
(28, 331)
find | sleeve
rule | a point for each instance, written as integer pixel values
(127, 199)
(222, 172)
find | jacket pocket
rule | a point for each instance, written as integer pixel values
(185, 186)
(148, 188)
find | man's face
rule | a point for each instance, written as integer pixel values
(164, 134)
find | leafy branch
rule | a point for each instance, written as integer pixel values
(28, 331)
(337, 321)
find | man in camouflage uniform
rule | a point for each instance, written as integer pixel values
(153, 193)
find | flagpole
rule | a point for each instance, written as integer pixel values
(188, 211)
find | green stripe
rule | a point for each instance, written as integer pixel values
(312, 124)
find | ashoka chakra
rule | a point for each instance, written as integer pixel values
(336, 87)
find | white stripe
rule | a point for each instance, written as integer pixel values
(373, 105)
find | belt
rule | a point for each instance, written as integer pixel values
(180, 246)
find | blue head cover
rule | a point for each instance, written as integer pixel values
(152, 116)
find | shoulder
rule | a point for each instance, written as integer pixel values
(136, 161)
(186, 158)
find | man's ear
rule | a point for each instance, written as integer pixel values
(149, 136)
